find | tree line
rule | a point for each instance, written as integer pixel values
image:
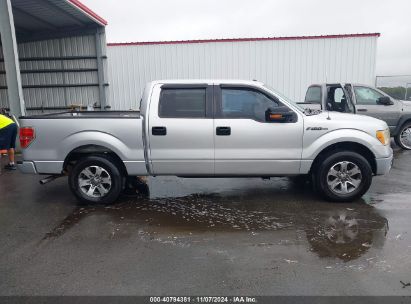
(397, 92)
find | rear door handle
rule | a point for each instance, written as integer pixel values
(159, 131)
(362, 110)
(223, 131)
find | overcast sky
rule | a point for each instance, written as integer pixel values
(152, 20)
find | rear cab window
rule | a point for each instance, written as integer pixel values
(313, 95)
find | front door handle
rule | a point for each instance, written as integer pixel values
(223, 131)
(362, 110)
(159, 131)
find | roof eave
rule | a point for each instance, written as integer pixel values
(246, 39)
(87, 11)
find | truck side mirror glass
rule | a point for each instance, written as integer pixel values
(280, 114)
(385, 100)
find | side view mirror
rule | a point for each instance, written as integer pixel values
(280, 114)
(385, 100)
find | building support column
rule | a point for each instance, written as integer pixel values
(100, 69)
(11, 59)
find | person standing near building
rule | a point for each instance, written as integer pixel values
(8, 134)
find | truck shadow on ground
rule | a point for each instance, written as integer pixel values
(342, 231)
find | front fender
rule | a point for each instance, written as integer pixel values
(313, 147)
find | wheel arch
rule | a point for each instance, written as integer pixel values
(346, 146)
(404, 120)
(92, 150)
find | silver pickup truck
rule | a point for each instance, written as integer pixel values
(207, 128)
(364, 100)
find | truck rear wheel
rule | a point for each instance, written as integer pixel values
(343, 176)
(96, 180)
(403, 138)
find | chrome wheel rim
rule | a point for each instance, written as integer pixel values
(405, 137)
(344, 177)
(341, 228)
(94, 181)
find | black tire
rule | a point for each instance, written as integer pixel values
(397, 138)
(321, 176)
(300, 180)
(115, 176)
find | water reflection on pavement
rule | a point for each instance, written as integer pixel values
(343, 231)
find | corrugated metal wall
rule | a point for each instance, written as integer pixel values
(4, 100)
(57, 73)
(287, 65)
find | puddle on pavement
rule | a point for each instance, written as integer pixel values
(343, 231)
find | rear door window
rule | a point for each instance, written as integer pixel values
(182, 103)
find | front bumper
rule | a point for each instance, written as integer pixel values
(26, 167)
(384, 165)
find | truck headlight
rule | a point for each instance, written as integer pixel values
(384, 136)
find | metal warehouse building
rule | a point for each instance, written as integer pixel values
(288, 64)
(52, 56)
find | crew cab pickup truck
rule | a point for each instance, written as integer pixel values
(365, 100)
(207, 128)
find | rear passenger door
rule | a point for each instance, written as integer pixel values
(246, 144)
(181, 134)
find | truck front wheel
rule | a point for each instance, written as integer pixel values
(96, 180)
(343, 176)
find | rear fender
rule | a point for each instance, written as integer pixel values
(133, 160)
(87, 138)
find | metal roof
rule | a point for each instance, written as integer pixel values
(45, 16)
(246, 39)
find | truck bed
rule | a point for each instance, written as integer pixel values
(57, 135)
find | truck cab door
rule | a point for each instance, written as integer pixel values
(246, 142)
(368, 103)
(348, 91)
(338, 100)
(180, 130)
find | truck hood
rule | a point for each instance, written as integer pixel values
(345, 121)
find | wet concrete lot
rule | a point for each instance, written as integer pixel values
(206, 237)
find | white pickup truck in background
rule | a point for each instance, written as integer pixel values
(207, 128)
